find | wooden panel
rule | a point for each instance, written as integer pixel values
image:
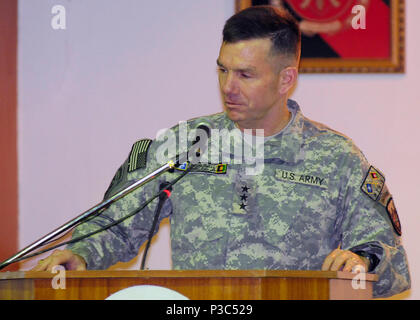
(193, 288)
(296, 289)
(19, 289)
(188, 274)
(194, 284)
(341, 289)
(8, 131)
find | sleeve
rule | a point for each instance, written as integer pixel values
(370, 227)
(122, 241)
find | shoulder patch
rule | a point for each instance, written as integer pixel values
(373, 184)
(393, 215)
(138, 155)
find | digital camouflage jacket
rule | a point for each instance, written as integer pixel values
(313, 190)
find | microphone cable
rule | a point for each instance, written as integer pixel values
(165, 193)
(106, 227)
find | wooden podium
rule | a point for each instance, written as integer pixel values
(194, 284)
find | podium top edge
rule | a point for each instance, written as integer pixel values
(186, 274)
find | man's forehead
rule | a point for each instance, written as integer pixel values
(247, 46)
(245, 52)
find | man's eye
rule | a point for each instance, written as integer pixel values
(222, 70)
(246, 75)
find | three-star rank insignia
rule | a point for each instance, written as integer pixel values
(242, 206)
(373, 183)
(244, 198)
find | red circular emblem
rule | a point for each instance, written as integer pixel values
(324, 16)
(323, 10)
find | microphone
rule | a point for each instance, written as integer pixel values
(198, 147)
(206, 127)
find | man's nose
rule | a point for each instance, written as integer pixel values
(230, 84)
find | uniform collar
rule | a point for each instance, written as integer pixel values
(287, 144)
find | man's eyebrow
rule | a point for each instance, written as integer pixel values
(248, 69)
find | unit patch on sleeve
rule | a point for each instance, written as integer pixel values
(374, 186)
(393, 215)
(138, 155)
(373, 183)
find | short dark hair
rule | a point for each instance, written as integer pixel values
(259, 22)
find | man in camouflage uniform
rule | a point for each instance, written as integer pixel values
(311, 201)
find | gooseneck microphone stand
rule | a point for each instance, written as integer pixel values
(87, 214)
(97, 209)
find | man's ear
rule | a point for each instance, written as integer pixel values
(288, 77)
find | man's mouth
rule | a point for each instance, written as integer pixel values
(231, 103)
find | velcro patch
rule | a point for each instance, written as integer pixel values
(373, 184)
(220, 168)
(138, 155)
(302, 178)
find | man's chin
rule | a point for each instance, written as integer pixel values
(234, 114)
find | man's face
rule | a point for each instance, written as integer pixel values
(250, 83)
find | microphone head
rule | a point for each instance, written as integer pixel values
(204, 126)
(200, 129)
(200, 143)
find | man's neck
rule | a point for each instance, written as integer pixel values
(270, 127)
